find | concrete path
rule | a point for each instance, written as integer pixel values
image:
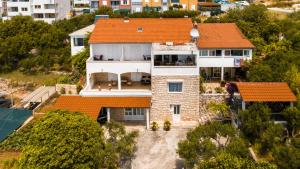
(157, 150)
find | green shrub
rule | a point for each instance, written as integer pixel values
(154, 126)
(219, 90)
(62, 90)
(167, 125)
(78, 88)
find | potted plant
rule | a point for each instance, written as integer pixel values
(154, 126)
(223, 83)
(219, 90)
(167, 125)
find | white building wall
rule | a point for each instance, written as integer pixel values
(118, 51)
(18, 5)
(76, 49)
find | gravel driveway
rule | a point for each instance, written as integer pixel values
(157, 150)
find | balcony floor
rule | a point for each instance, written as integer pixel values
(109, 86)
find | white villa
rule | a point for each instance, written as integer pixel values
(148, 69)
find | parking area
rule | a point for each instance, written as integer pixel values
(158, 149)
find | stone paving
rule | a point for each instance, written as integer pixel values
(157, 150)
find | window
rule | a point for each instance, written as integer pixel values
(37, 6)
(175, 109)
(227, 52)
(218, 52)
(134, 111)
(236, 52)
(24, 9)
(124, 2)
(246, 53)
(78, 42)
(212, 52)
(175, 87)
(49, 6)
(203, 52)
(14, 9)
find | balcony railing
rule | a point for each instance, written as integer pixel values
(102, 58)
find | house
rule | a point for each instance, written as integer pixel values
(209, 8)
(77, 39)
(117, 5)
(148, 69)
(45, 10)
(277, 95)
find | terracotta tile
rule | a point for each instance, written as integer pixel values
(266, 92)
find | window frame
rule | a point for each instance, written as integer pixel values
(179, 87)
(76, 42)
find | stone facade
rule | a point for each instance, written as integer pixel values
(204, 100)
(188, 99)
(117, 114)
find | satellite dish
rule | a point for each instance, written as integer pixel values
(194, 33)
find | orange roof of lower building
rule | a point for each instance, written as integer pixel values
(142, 30)
(265, 92)
(92, 105)
(222, 35)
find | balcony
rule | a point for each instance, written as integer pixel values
(126, 84)
(175, 60)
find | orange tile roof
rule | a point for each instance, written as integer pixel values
(92, 105)
(222, 35)
(161, 30)
(158, 30)
(265, 92)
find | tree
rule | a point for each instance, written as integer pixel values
(229, 161)
(119, 147)
(221, 109)
(286, 157)
(270, 137)
(255, 120)
(204, 142)
(64, 140)
(292, 116)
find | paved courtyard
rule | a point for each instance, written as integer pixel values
(158, 149)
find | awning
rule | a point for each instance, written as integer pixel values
(92, 105)
(265, 92)
(12, 119)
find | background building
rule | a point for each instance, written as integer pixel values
(45, 10)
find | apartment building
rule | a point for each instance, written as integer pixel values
(117, 5)
(148, 69)
(45, 10)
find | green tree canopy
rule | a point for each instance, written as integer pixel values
(64, 140)
(255, 120)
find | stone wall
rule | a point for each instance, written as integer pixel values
(204, 100)
(69, 89)
(161, 99)
(117, 114)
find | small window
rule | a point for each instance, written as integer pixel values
(218, 52)
(227, 52)
(246, 53)
(204, 53)
(175, 109)
(24, 9)
(140, 29)
(175, 86)
(236, 52)
(212, 52)
(78, 42)
(37, 6)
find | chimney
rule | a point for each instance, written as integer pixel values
(194, 32)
